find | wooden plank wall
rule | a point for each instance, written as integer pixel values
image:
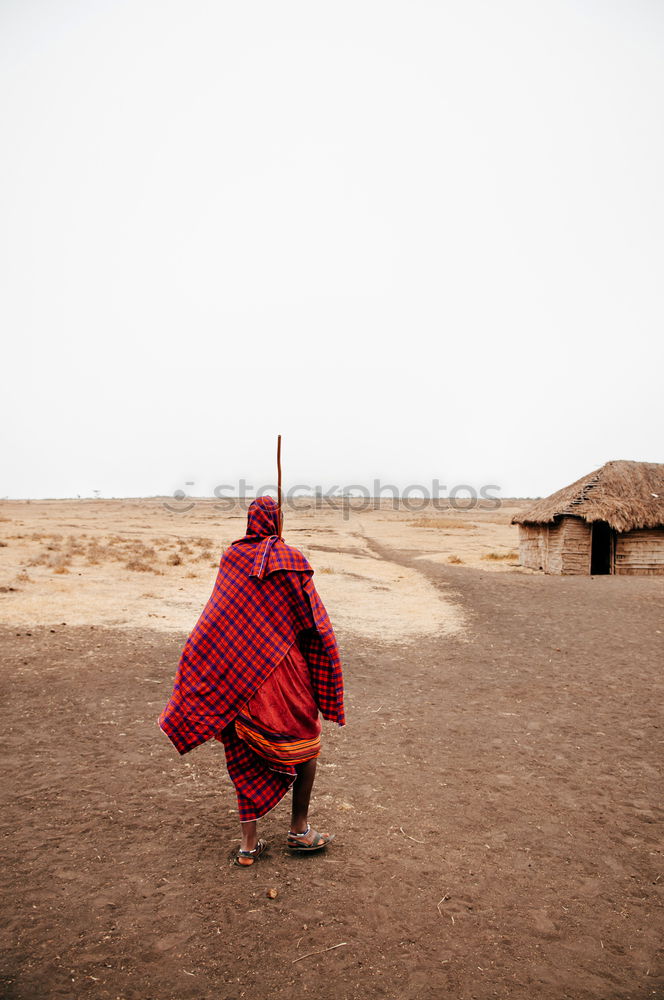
(541, 547)
(530, 546)
(562, 547)
(555, 537)
(640, 552)
(576, 546)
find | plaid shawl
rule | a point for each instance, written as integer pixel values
(262, 600)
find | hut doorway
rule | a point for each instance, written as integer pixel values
(602, 548)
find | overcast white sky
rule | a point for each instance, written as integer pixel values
(420, 239)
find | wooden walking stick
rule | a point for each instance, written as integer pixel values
(280, 516)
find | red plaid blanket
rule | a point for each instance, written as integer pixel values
(262, 600)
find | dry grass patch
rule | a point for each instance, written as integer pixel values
(443, 522)
(500, 556)
(95, 553)
(454, 559)
(141, 558)
(74, 547)
(141, 566)
(41, 559)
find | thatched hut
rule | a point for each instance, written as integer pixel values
(611, 521)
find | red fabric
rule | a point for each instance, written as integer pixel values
(284, 706)
(285, 702)
(258, 786)
(262, 600)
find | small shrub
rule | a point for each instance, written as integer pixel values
(454, 559)
(59, 564)
(39, 560)
(95, 553)
(500, 556)
(74, 545)
(140, 566)
(174, 559)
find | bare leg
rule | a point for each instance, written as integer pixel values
(302, 787)
(249, 836)
(304, 782)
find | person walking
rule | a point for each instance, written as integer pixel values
(259, 668)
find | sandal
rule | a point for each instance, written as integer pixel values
(245, 859)
(320, 840)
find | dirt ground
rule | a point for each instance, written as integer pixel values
(496, 798)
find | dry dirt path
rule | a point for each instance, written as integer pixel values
(496, 799)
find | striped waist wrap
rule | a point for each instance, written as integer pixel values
(281, 722)
(275, 747)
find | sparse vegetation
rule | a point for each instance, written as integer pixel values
(454, 559)
(59, 564)
(38, 560)
(500, 556)
(443, 522)
(95, 553)
(141, 566)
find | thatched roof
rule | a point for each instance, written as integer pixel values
(628, 495)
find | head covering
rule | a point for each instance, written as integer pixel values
(263, 599)
(262, 518)
(263, 527)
